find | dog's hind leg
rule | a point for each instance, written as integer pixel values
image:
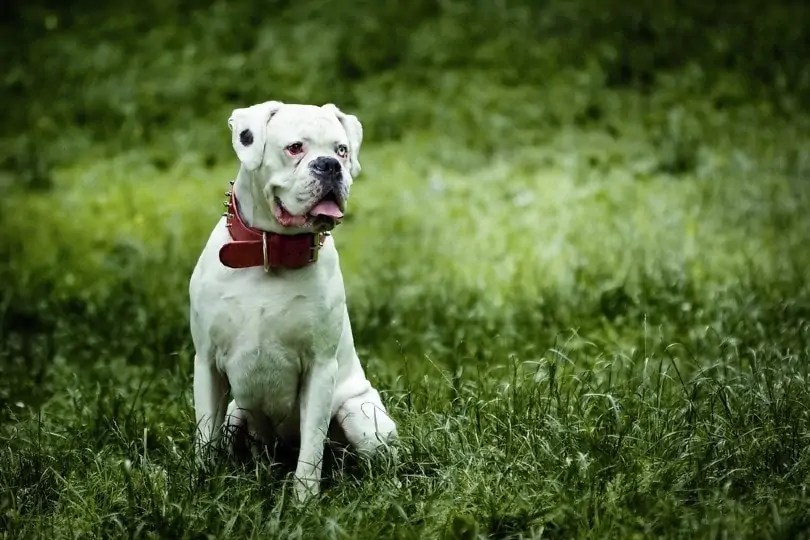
(210, 396)
(245, 432)
(359, 411)
(365, 423)
(236, 431)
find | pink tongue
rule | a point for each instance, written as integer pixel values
(326, 208)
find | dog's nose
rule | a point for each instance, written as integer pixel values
(326, 165)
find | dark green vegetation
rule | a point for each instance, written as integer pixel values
(576, 263)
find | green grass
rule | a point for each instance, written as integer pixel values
(576, 339)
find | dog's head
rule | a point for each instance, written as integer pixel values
(303, 156)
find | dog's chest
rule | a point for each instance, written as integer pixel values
(267, 334)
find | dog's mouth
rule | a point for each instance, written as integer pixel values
(327, 212)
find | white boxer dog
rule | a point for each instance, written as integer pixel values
(268, 306)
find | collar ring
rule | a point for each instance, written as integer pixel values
(265, 261)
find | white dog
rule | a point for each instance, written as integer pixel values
(268, 307)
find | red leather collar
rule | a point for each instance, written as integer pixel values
(254, 247)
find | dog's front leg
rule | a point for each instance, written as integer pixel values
(210, 395)
(316, 396)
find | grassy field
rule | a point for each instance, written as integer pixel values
(586, 304)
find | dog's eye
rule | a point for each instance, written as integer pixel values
(342, 150)
(295, 148)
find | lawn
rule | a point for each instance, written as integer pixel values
(592, 327)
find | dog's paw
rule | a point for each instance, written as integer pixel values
(305, 490)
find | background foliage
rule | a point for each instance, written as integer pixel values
(140, 73)
(576, 262)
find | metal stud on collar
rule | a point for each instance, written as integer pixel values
(227, 203)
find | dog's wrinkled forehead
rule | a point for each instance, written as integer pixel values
(305, 123)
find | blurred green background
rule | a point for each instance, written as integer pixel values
(165, 74)
(576, 261)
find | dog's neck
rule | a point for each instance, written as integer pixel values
(253, 207)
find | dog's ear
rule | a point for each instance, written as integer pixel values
(354, 131)
(248, 131)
